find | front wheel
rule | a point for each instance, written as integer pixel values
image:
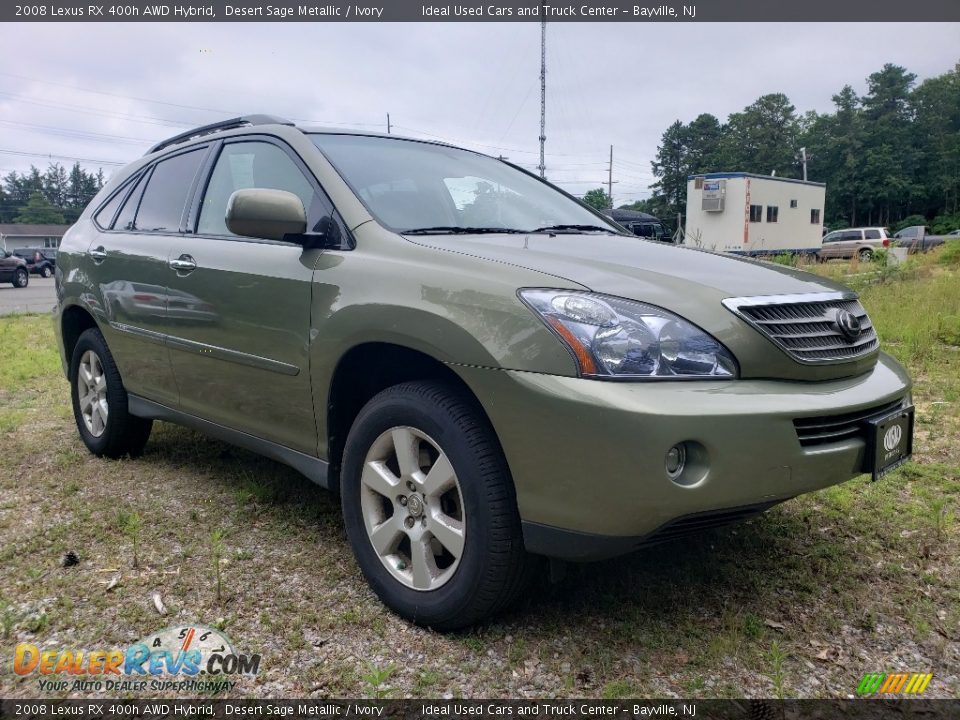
(100, 401)
(21, 278)
(46, 272)
(429, 507)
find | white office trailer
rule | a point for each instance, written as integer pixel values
(754, 214)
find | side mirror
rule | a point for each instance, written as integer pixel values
(264, 213)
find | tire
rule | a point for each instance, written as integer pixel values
(46, 272)
(119, 433)
(492, 565)
(21, 278)
(865, 255)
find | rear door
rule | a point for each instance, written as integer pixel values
(850, 240)
(830, 247)
(240, 307)
(130, 268)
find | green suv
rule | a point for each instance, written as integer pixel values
(486, 370)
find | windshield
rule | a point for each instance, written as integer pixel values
(422, 187)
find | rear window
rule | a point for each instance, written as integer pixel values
(161, 207)
(105, 217)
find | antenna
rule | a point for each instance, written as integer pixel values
(543, 89)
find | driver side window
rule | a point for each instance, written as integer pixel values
(256, 164)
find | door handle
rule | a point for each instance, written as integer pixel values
(184, 263)
(98, 254)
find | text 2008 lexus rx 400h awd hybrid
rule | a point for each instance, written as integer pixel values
(484, 368)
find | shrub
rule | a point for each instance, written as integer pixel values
(950, 254)
(942, 224)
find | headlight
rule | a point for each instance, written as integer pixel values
(615, 338)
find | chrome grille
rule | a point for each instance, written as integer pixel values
(805, 325)
(827, 429)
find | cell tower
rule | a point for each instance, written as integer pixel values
(543, 90)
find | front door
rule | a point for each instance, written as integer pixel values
(239, 308)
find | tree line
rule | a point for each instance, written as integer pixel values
(887, 157)
(56, 196)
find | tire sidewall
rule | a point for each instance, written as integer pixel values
(21, 278)
(92, 340)
(378, 416)
(46, 272)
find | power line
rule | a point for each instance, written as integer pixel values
(83, 134)
(62, 157)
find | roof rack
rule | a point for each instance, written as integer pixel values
(217, 127)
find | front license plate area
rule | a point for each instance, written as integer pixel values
(889, 441)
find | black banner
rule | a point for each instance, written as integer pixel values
(866, 709)
(473, 11)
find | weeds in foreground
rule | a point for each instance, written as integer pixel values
(216, 544)
(376, 677)
(777, 658)
(131, 524)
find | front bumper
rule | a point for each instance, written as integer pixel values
(587, 456)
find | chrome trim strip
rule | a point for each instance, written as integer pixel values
(735, 304)
(788, 299)
(234, 356)
(214, 351)
(148, 335)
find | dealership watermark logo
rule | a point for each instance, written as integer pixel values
(894, 683)
(185, 658)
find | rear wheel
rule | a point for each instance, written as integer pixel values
(100, 401)
(865, 255)
(21, 278)
(45, 271)
(429, 507)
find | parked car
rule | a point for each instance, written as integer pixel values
(641, 224)
(854, 242)
(40, 261)
(917, 238)
(953, 233)
(13, 270)
(485, 369)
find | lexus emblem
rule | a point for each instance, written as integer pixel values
(892, 437)
(848, 324)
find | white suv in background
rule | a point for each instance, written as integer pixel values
(861, 242)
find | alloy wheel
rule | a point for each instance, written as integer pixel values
(412, 508)
(92, 391)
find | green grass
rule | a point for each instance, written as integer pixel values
(863, 574)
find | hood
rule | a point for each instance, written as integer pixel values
(687, 281)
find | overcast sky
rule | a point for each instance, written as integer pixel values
(105, 92)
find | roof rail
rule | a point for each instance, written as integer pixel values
(217, 127)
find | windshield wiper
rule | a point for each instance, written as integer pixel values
(457, 230)
(572, 229)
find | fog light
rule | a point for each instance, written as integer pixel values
(675, 460)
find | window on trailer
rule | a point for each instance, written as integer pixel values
(772, 213)
(756, 213)
(815, 216)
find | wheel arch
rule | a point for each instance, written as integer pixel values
(367, 369)
(74, 321)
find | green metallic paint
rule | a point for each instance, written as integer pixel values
(588, 455)
(263, 325)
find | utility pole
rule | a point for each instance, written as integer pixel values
(543, 89)
(388, 123)
(610, 179)
(803, 155)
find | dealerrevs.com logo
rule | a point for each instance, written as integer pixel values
(187, 658)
